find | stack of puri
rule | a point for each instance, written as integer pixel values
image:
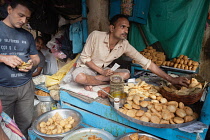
(182, 62)
(158, 109)
(150, 53)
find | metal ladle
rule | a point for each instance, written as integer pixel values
(106, 92)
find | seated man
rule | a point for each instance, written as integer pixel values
(102, 48)
(37, 70)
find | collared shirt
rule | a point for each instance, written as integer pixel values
(97, 50)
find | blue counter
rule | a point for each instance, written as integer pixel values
(100, 115)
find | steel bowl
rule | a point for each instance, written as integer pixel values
(84, 133)
(65, 113)
(127, 136)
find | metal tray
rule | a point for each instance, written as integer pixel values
(84, 133)
(79, 96)
(44, 98)
(126, 136)
(149, 123)
(178, 70)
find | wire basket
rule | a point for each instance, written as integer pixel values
(189, 99)
(186, 99)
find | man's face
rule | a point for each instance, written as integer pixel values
(18, 16)
(39, 44)
(120, 30)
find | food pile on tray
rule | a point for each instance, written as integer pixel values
(135, 136)
(94, 137)
(145, 103)
(41, 93)
(182, 62)
(150, 53)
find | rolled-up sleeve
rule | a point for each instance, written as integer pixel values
(87, 50)
(139, 58)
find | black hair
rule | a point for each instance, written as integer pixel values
(27, 3)
(38, 38)
(114, 19)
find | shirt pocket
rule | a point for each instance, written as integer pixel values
(116, 53)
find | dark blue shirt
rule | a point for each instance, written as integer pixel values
(19, 42)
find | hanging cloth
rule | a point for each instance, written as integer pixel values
(178, 25)
(127, 7)
(9, 123)
(76, 36)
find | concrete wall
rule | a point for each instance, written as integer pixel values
(98, 15)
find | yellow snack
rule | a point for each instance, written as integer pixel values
(56, 125)
(41, 93)
(134, 136)
(185, 57)
(68, 126)
(42, 124)
(24, 65)
(43, 130)
(181, 56)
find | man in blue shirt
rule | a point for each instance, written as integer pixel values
(17, 46)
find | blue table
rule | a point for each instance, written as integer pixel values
(135, 67)
(100, 114)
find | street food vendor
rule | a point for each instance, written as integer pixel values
(102, 48)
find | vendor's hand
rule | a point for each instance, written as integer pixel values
(103, 94)
(107, 72)
(180, 81)
(11, 60)
(27, 68)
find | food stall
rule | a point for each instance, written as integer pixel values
(100, 113)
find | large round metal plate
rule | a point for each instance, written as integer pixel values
(149, 123)
(84, 133)
(127, 136)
